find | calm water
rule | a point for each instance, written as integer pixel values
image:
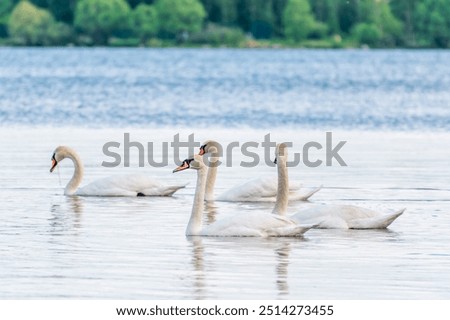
(54, 246)
(392, 108)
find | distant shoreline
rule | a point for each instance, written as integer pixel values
(262, 47)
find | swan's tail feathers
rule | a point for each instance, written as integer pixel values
(391, 217)
(381, 222)
(170, 190)
(305, 196)
(291, 231)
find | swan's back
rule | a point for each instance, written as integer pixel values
(346, 217)
(127, 185)
(254, 224)
(258, 189)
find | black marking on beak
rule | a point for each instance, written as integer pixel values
(202, 149)
(54, 163)
(184, 165)
(275, 161)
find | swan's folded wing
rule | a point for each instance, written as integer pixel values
(249, 224)
(289, 231)
(345, 217)
(262, 189)
(166, 191)
(325, 216)
(303, 196)
(376, 222)
(257, 189)
(295, 186)
(127, 185)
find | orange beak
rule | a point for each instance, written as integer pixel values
(54, 163)
(202, 151)
(183, 166)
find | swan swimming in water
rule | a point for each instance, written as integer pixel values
(253, 224)
(121, 185)
(328, 216)
(255, 190)
(346, 217)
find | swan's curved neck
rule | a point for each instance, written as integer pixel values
(211, 180)
(195, 222)
(283, 188)
(73, 184)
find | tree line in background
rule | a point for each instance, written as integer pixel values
(315, 23)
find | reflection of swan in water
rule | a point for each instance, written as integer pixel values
(274, 263)
(77, 206)
(277, 250)
(359, 236)
(66, 214)
(75, 203)
(198, 264)
(282, 256)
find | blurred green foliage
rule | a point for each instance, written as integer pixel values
(179, 17)
(6, 6)
(101, 18)
(144, 22)
(299, 23)
(325, 23)
(29, 25)
(433, 22)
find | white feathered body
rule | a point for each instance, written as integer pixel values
(127, 185)
(345, 217)
(255, 224)
(263, 190)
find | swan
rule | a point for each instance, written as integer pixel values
(121, 185)
(346, 217)
(262, 189)
(252, 224)
(328, 216)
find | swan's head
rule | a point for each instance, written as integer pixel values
(195, 163)
(59, 154)
(210, 146)
(281, 152)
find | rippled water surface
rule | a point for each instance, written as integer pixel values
(261, 88)
(392, 108)
(53, 246)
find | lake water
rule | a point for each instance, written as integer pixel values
(392, 108)
(258, 88)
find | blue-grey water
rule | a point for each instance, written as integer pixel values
(392, 108)
(260, 88)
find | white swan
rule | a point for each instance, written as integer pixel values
(254, 224)
(328, 216)
(121, 185)
(346, 217)
(256, 190)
